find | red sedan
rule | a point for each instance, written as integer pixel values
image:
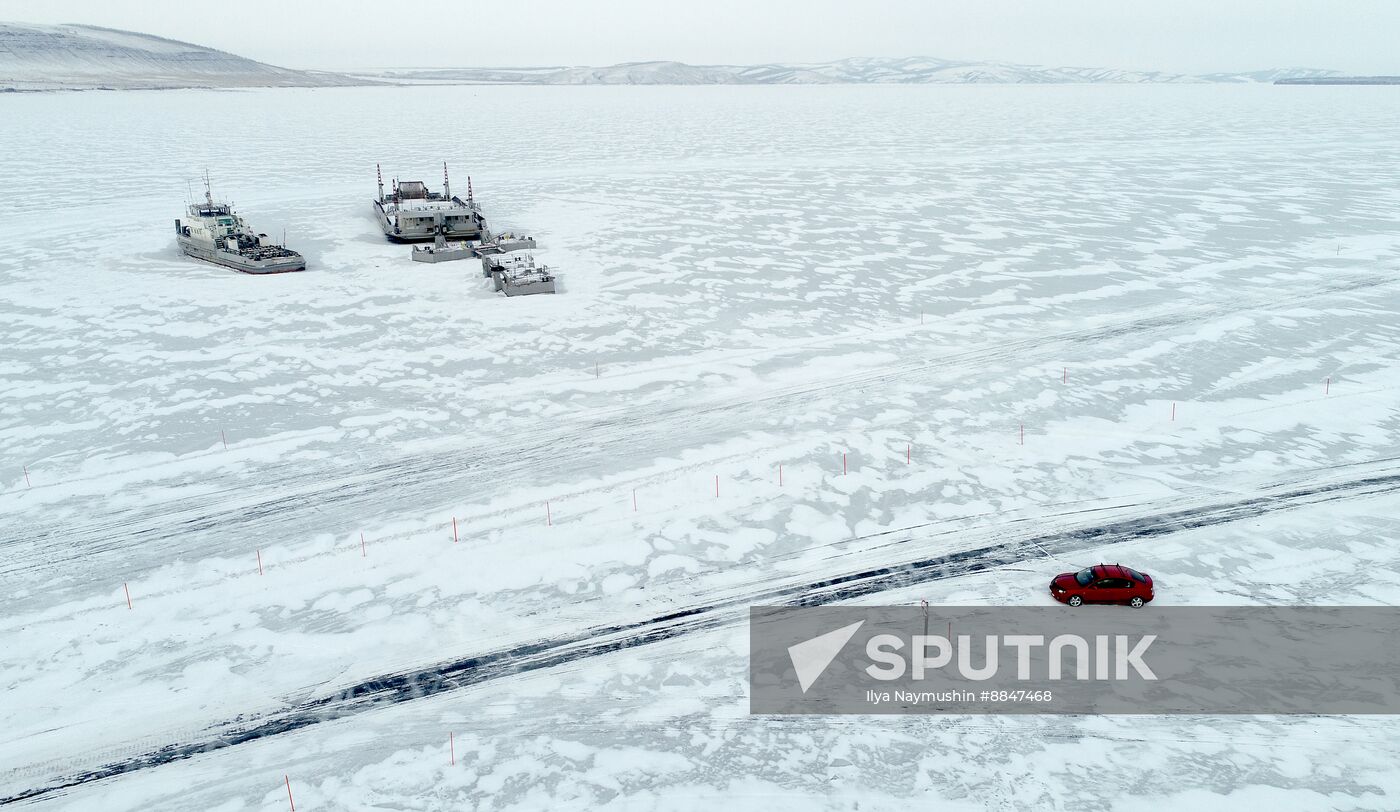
(1106, 583)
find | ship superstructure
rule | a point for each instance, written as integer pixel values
(412, 213)
(214, 233)
(514, 273)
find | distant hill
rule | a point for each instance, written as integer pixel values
(1276, 76)
(84, 57)
(1340, 80)
(866, 70)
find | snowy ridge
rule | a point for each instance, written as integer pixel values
(861, 70)
(83, 57)
(1273, 76)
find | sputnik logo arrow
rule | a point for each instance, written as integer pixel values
(811, 657)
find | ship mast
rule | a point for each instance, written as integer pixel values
(208, 195)
(446, 189)
(379, 176)
(469, 188)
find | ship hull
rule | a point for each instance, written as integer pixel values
(424, 254)
(424, 232)
(239, 263)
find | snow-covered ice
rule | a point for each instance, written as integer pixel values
(1184, 296)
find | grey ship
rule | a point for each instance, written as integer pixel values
(411, 213)
(215, 234)
(514, 273)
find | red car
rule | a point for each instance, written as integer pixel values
(1106, 583)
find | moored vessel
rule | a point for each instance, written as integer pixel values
(214, 233)
(412, 213)
(515, 273)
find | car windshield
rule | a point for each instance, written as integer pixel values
(1084, 576)
(1137, 576)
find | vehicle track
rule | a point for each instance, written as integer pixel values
(390, 689)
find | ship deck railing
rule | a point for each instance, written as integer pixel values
(528, 277)
(455, 204)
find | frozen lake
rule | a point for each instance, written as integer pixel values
(1007, 312)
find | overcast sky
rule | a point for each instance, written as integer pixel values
(1190, 36)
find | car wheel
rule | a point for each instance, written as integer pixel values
(1136, 603)
(1075, 600)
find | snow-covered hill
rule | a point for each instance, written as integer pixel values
(864, 70)
(1275, 75)
(645, 73)
(927, 70)
(82, 57)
